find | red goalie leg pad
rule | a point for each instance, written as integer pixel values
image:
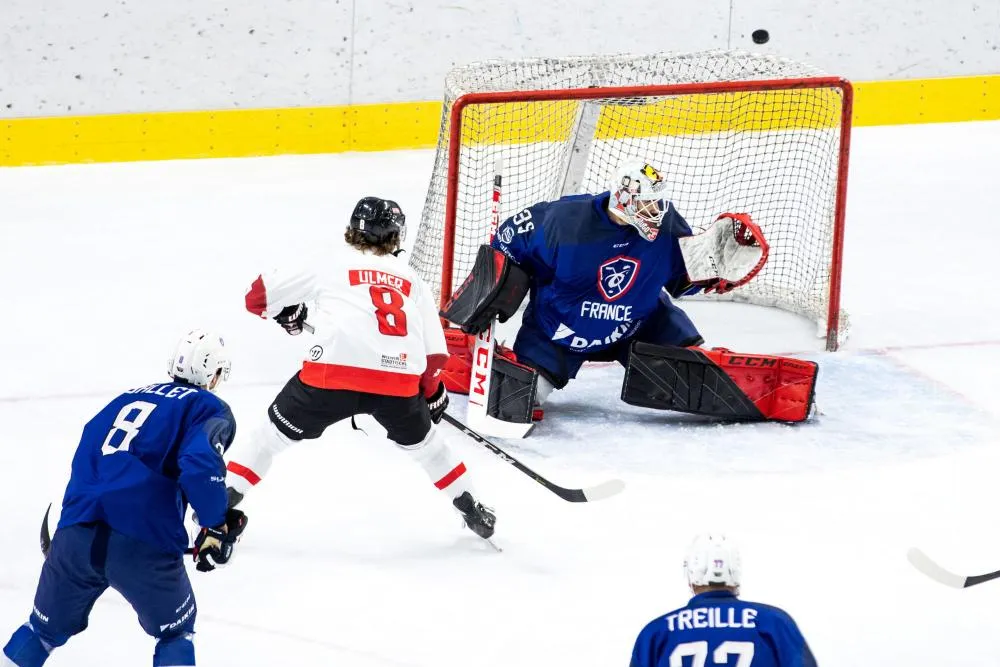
(782, 388)
(457, 372)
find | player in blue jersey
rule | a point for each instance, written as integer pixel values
(717, 628)
(601, 272)
(140, 461)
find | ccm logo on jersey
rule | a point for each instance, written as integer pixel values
(616, 276)
(369, 277)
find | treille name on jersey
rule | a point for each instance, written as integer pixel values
(711, 617)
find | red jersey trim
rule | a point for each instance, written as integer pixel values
(256, 298)
(367, 380)
(430, 380)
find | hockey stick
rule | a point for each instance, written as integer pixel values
(482, 354)
(924, 564)
(599, 492)
(45, 537)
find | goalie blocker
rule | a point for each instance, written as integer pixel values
(720, 383)
(495, 288)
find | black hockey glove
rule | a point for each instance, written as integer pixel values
(291, 318)
(214, 546)
(438, 402)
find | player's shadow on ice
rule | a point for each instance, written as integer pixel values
(870, 410)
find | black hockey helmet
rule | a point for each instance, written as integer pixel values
(378, 219)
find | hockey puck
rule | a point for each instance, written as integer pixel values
(760, 36)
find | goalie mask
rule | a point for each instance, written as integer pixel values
(638, 198)
(378, 219)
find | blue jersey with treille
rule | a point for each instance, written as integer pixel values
(145, 456)
(717, 628)
(593, 281)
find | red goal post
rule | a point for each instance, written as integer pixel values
(777, 148)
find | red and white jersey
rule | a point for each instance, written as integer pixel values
(376, 323)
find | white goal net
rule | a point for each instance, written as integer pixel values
(729, 131)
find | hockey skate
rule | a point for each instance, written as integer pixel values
(480, 520)
(233, 497)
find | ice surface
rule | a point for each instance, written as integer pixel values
(352, 558)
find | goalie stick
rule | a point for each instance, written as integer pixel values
(482, 354)
(924, 564)
(599, 492)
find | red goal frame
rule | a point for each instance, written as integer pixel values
(847, 93)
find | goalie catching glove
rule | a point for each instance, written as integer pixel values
(495, 288)
(726, 255)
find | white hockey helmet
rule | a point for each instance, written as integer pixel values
(638, 197)
(198, 358)
(713, 559)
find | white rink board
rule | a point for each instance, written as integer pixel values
(67, 57)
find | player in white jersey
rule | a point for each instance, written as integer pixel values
(379, 349)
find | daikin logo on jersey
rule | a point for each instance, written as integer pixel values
(580, 343)
(616, 276)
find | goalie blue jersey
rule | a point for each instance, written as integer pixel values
(593, 281)
(147, 454)
(717, 628)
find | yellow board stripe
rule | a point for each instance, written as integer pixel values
(912, 101)
(202, 134)
(522, 123)
(376, 127)
(813, 109)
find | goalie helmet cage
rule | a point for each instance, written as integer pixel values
(728, 131)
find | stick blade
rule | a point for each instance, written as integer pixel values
(924, 564)
(44, 536)
(612, 487)
(487, 425)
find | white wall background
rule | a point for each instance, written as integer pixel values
(62, 57)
